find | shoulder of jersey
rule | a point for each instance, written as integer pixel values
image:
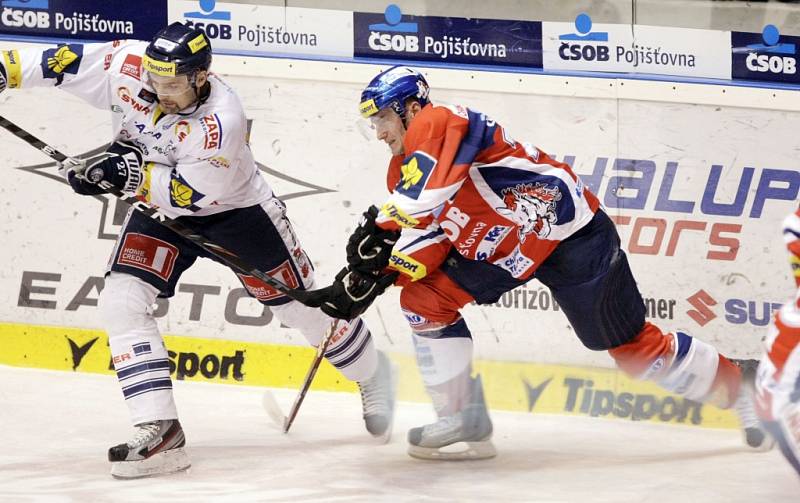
(435, 119)
(125, 58)
(458, 110)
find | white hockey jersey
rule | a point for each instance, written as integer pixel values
(196, 164)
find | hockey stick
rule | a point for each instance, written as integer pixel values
(227, 257)
(271, 405)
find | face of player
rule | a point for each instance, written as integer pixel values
(389, 127)
(176, 93)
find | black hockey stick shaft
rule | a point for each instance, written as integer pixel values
(227, 257)
(312, 371)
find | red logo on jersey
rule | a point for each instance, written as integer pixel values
(125, 95)
(107, 61)
(148, 254)
(182, 130)
(212, 127)
(263, 291)
(132, 66)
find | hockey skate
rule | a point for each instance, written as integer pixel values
(755, 435)
(464, 435)
(156, 449)
(378, 397)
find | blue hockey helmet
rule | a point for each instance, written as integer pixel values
(391, 88)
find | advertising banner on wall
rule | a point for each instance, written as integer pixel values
(644, 49)
(765, 56)
(698, 193)
(85, 20)
(447, 39)
(249, 29)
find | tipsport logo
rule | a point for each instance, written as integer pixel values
(25, 13)
(768, 56)
(736, 311)
(208, 19)
(583, 398)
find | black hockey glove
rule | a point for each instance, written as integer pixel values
(120, 165)
(369, 247)
(351, 293)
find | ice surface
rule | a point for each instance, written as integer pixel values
(55, 428)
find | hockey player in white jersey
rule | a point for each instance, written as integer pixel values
(179, 143)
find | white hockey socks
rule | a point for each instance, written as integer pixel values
(351, 350)
(445, 366)
(137, 349)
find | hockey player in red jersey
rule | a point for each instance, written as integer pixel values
(778, 378)
(180, 143)
(480, 214)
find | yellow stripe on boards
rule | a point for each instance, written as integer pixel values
(524, 387)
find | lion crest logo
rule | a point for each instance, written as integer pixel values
(532, 206)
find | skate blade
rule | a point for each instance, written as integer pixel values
(459, 451)
(171, 461)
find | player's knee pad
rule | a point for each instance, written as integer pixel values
(443, 353)
(676, 361)
(433, 299)
(126, 305)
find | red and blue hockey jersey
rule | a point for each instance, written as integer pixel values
(496, 200)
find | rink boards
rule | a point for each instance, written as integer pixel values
(525, 387)
(697, 177)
